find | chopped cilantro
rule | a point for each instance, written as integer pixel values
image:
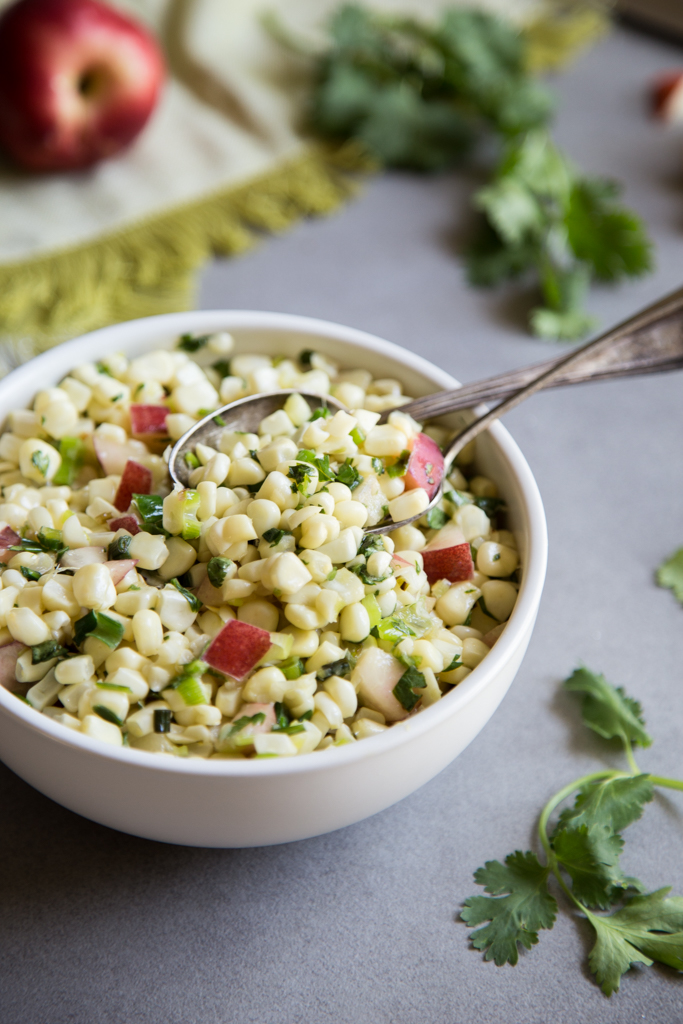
(46, 651)
(300, 477)
(217, 569)
(349, 475)
(151, 510)
(192, 343)
(321, 463)
(275, 535)
(436, 518)
(107, 714)
(403, 691)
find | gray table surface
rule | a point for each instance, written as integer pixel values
(360, 926)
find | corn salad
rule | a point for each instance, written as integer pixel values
(247, 615)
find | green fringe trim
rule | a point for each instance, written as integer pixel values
(150, 267)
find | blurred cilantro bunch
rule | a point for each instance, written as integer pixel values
(425, 96)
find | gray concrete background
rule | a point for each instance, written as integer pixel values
(359, 927)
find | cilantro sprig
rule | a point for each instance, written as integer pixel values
(425, 95)
(582, 853)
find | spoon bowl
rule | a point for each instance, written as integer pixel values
(244, 415)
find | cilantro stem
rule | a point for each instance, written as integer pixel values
(628, 748)
(561, 795)
(661, 780)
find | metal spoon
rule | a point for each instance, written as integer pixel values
(649, 342)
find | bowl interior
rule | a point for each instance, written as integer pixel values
(280, 334)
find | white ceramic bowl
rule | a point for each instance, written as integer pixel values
(225, 803)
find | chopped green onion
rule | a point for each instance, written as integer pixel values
(107, 714)
(292, 668)
(50, 540)
(113, 686)
(321, 413)
(378, 465)
(357, 435)
(194, 602)
(217, 570)
(103, 368)
(219, 421)
(342, 667)
(191, 460)
(399, 467)
(47, 650)
(373, 610)
(119, 549)
(331, 574)
(29, 574)
(192, 691)
(162, 719)
(391, 630)
(455, 663)
(371, 542)
(305, 357)
(72, 451)
(246, 720)
(100, 626)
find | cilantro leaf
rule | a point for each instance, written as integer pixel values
(192, 343)
(615, 803)
(321, 463)
(436, 518)
(274, 535)
(349, 475)
(648, 927)
(670, 574)
(606, 236)
(590, 856)
(217, 570)
(606, 709)
(151, 510)
(523, 906)
(410, 681)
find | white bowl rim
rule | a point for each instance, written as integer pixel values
(520, 623)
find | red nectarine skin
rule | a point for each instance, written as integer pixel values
(425, 465)
(666, 96)
(136, 479)
(78, 81)
(448, 556)
(236, 649)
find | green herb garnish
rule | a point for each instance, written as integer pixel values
(342, 667)
(670, 574)
(99, 626)
(300, 477)
(46, 651)
(349, 475)
(237, 726)
(72, 451)
(150, 507)
(29, 574)
(162, 719)
(107, 714)
(292, 668)
(217, 570)
(119, 549)
(194, 602)
(582, 853)
(321, 463)
(436, 518)
(404, 690)
(191, 460)
(399, 467)
(321, 413)
(275, 535)
(192, 343)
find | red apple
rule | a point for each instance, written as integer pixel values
(7, 538)
(667, 96)
(119, 568)
(129, 523)
(136, 479)
(78, 81)
(448, 556)
(8, 664)
(236, 649)
(148, 419)
(425, 465)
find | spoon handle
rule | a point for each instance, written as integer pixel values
(655, 334)
(650, 342)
